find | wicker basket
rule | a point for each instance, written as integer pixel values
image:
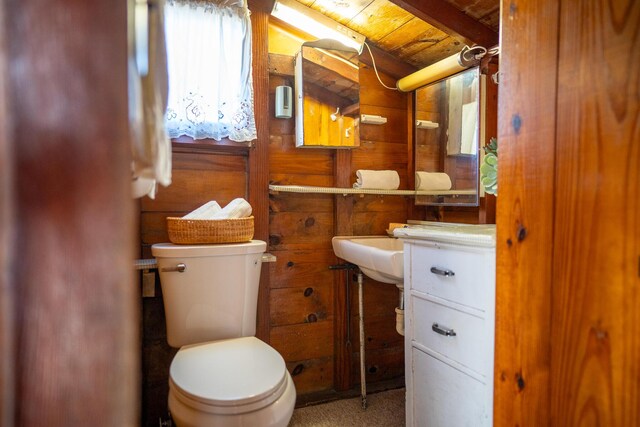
(196, 231)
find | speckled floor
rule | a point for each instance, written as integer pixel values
(384, 409)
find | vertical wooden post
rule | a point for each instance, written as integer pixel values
(527, 111)
(76, 312)
(343, 227)
(7, 294)
(258, 170)
(595, 364)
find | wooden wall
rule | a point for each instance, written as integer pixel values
(198, 175)
(568, 279)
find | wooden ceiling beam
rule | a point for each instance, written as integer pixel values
(447, 18)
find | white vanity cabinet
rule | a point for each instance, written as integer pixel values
(449, 331)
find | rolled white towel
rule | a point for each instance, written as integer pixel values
(205, 211)
(432, 181)
(237, 208)
(379, 180)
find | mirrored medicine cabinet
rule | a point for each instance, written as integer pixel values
(448, 131)
(327, 93)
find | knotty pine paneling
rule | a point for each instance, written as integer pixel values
(303, 341)
(300, 230)
(394, 130)
(527, 117)
(380, 365)
(301, 268)
(314, 375)
(286, 159)
(305, 202)
(307, 179)
(372, 203)
(379, 299)
(196, 179)
(191, 188)
(375, 223)
(567, 319)
(379, 331)
(381, 338)
(382, 155)
(595, 296)
(372, 94)
(303, 304)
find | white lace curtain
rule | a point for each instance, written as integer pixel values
(209, 64)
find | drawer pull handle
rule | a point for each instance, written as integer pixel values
(443, 331)
(440, 272)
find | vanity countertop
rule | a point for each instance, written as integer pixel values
(465, 234)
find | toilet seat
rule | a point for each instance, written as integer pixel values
(227, 377)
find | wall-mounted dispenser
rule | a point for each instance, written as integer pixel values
(284, 102)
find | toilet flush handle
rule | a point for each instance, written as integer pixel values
(180, 268)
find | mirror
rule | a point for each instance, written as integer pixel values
(327, 92)
(447, 131)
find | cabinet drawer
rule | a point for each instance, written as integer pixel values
(474, 274)
(472, 346)
(446, 397)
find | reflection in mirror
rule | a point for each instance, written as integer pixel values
(327, 95)
(448, 128)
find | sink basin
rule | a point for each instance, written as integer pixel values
(378, 257)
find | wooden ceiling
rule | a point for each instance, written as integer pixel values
(416, 32)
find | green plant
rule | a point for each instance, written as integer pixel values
(489, 167)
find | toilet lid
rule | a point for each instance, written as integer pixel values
(231, 372)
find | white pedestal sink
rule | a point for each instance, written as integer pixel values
(378, 257)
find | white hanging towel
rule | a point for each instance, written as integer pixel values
(150, 145)
(206, 211)
(379, 180)
(237, 208)
(437, 181)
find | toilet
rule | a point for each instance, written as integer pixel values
(222, 375)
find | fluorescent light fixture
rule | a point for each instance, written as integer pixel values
(370, 119)
(316, 24)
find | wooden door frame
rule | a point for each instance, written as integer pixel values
(68, 304)
(7, 299)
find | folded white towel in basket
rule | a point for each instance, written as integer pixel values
(237, 208)
(379, 180)
(205, 211)
(432, 181)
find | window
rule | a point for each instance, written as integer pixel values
(209, 65)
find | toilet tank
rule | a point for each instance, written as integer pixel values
(216, 295)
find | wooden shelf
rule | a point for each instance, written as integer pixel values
(274, 189)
